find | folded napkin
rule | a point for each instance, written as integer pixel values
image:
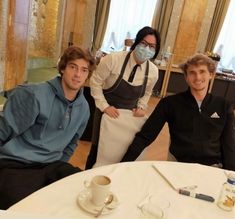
(142, 202)
(178, 175)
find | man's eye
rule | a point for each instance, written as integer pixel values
(72, 66)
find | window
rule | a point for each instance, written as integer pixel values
(225, 45)
(126, 18)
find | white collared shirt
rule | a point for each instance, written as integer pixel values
(108, 71)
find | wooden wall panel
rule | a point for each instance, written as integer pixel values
(79, 28)
(16, 53)
(189, 28)
(79, 23)
(69, 22)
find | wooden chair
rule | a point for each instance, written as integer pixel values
(128, 43)
(166, 76)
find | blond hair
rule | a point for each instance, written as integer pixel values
(198, 59)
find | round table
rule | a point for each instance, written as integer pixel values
(131, 183)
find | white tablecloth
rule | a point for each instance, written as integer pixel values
(131, 182)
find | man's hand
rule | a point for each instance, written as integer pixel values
(112, 112)
(138, 112)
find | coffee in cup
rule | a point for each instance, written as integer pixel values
(100, 189)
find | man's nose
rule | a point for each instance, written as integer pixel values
(78, 72)
(198, 76)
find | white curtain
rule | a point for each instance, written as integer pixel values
(225, 45)
(126, 18)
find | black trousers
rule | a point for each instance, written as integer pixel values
(91, 159)
(18, 180)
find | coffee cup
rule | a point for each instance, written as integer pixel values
(100, 189)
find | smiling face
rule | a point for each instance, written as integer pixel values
(198, 78)
(74, 76)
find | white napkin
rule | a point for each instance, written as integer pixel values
(177, 177)
(145, 200)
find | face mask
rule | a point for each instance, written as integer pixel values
(143, 53)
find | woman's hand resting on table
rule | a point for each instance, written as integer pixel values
(138, 112)
(112, 112)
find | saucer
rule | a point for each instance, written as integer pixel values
(84, 201)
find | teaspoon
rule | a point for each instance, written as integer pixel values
(107, 201)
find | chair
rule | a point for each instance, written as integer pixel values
(128, 43)
(167, 76)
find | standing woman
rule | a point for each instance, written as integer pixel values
(124, 80)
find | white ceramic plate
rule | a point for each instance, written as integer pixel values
(84, 201)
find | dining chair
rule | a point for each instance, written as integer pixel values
(128, 43)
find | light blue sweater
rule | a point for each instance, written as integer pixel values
(39, 125)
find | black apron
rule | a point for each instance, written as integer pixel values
(121, 95)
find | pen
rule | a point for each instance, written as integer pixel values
(196, 195)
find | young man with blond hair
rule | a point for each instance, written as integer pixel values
(201, 125)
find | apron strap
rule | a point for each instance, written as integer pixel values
(145, 79)
(112, 88)
(117, 82)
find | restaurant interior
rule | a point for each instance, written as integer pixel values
(35, 32)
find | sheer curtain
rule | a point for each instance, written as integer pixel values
(102, 14)
(126, 18)
(161, 18)
(225, 45)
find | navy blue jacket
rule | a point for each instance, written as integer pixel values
(202, 135)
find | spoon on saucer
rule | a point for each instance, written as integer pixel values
(107, 201)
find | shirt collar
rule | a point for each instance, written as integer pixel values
(133, 62)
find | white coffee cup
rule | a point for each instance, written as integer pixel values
(100, 189)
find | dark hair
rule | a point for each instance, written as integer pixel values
(142, 33)
(72, 53)
(198, 59)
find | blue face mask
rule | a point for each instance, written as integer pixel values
(143, 53)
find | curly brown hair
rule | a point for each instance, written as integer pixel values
(199, 59)
(72, 53)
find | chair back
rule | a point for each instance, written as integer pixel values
(127, 44)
